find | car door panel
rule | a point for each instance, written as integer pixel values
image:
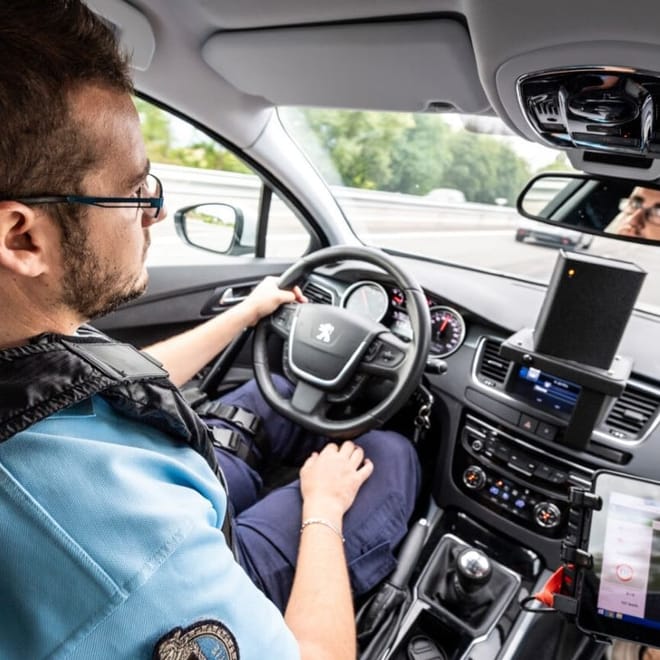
(180, 297)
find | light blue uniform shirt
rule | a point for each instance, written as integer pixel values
(111, 539)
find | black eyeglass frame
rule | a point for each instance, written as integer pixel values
(102, 202)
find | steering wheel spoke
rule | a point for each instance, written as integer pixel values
(309, 400)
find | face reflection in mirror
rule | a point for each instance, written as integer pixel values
(639, 215)
(614, 207)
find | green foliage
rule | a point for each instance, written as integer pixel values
(421, 156)
(204, 153)
(415, 154)
(485, 168)
(357, 143)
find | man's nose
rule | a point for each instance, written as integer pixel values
(148, 219)
(638, 218)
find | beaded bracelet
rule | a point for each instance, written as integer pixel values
(321, 521)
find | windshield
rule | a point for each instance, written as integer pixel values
(445, 187)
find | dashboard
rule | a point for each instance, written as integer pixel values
(500, 442)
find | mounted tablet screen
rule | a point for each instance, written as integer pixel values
(620, 596)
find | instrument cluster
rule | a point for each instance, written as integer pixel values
(388, 306)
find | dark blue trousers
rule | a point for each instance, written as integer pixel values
(267, 530)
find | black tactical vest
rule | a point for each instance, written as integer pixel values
(54, 372)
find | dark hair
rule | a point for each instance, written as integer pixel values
(48, 50)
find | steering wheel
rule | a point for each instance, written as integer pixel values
(328, 349)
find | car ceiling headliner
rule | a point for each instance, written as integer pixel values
(503, 38)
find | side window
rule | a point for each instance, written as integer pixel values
(197, 170)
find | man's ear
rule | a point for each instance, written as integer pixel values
(24, 239)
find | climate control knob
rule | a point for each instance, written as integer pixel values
(474, 477)
(547, 515)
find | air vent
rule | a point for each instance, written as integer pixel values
(491, 365)
(633, 410)
(317, 294)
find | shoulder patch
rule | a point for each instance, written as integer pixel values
(204, 640)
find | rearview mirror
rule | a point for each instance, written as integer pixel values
(617, 208)
(218, 228)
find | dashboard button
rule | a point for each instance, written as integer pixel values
(528, 423)
(502, 451)
(558, 477)
(544, 472)
(547, 431)
(477, 445)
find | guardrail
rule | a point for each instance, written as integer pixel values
(368, 210)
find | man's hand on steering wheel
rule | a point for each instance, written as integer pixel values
(267, 296)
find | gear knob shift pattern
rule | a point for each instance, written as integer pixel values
(473, 571)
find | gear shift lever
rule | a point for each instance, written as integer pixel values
(473, 571)
(464, 588)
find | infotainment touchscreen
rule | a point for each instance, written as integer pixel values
(620, 597)
(545, 391)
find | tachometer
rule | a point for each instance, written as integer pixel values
(367, 299)
(447, 330)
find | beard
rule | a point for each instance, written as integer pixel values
(93, 287)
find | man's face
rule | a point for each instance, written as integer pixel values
(639, 223)
(103, 264)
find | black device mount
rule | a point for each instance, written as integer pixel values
(597, 384)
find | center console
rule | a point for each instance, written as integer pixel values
(514, 478)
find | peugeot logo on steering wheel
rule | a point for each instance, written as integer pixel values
(325, 332)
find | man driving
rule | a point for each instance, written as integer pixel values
(113, 499)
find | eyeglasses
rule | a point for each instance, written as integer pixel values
(149, 198)
(635, 204)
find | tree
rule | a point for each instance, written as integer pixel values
(485, 168)
(420, 156)
(359, 143)
(203, 153)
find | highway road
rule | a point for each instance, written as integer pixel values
(491, 249)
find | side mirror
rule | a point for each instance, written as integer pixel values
(219, 228)
(616, 208)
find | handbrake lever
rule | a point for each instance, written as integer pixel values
(393, 591)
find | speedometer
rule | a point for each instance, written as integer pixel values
(367, 299)
(447, 330)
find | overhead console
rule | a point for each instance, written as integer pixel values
(596, 108)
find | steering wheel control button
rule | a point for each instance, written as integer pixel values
(388, 356)
(283, 318)
(474, 477)
(547, 515)
(372, 351)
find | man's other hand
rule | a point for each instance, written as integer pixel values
(330, 480)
